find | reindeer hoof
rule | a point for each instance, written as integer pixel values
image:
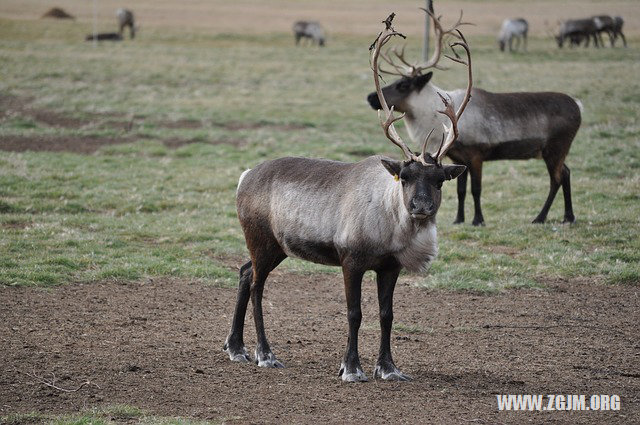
(268, 360)
(239, 355)
(357, 376)
(392, 374)
(478, 223)
(538, 220)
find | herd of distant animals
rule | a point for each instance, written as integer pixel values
(573, 32)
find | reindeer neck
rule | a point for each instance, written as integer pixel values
(422, 115)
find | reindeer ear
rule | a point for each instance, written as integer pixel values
(422, 80)
(393, 167)
(453, 171)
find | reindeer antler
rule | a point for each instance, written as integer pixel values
(387, 123)
(450, 133)
(409, 70)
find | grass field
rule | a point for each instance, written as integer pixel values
(196, 108)
(120, 162)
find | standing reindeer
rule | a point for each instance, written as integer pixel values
(309, 29)
(495, 126)
(125, 19)
(377, 214)
(577, 30)
(513, 29)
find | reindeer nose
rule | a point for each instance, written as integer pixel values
(421, 209)
(374, 101)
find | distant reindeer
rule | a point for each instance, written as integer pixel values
(513, 29)
(377, 214)
(604, 24)
(495, 126)
(309, 29)
(104, 36)
(577, 30)
(125, 19)
(618, 22)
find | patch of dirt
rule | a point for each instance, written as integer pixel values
(15, 106)
(235, 126)
(175, 143)
(76, 144)
(231, 125)
(157, 345)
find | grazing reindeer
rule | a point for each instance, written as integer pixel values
(104, 36)
(377, 214)
(576, 30)
(311, 30)
(513, 29)
(125, 19)
(495, 126)
(604, 24)
(618, 22)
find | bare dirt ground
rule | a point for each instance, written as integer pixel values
(157, 345)
(12, 107)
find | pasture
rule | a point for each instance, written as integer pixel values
(120, 245)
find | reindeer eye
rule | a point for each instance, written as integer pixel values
(402, 86)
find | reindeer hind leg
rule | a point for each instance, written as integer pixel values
(566, 191)
(554, 166)
(234, 344)
(266, 254)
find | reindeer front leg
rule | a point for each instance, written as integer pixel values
(462, 193)
(385, 367)
(351, 370)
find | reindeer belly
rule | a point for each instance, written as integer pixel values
(516, 149)
(311, 250)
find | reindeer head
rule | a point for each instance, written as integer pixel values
(412, 76)
(421, 176)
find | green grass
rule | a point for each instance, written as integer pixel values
(103, 416)
(142, 209)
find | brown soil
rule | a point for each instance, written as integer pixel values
(13, 106)
(157, 345)
(76, 144)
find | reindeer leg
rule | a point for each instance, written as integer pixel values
(554, 184)
(350, 369)
(462, 193)
(263, 355)
(566, 191)
(476, 188)
(234, 345)
(385, 367)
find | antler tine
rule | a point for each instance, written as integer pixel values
(440, 33)
(387, 59)
(387, 124)
(424, 146)
(401, 56)
(452, 132)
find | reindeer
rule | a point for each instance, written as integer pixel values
(104, 36)
(495, 126)
(125, 19)
(576, 30)
(309, 29)
(377, 214)
(604, 24)
(513, 29)
(618, 22)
